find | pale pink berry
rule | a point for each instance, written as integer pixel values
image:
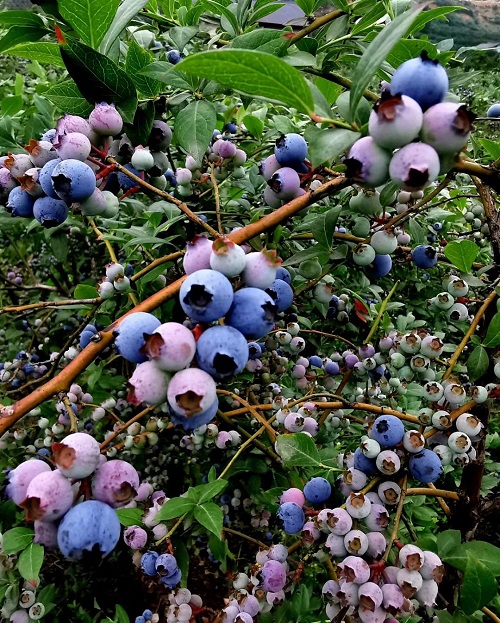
(355, 569)
(74, 145)
(260, 269)
(378, 519)
(191, 391)
(370, 596)
(77, 456)
(148, 384)
(356, 542)
(48, 497)
(293, 495)
(348, 593)
(197, 255)
(335, 544)
(409, 582)
(20, 477)
(135, 537)
(433, 568)
(46, 533)
(171, 347)
(105, 119)
(227, 257)
(411, 557)
(377, 544)
(115, 482)
(427, 595)
(393, 598)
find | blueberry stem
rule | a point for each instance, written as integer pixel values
(381, 312)
(397, 519)
(470, 331)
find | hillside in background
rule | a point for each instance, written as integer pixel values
(478, 23)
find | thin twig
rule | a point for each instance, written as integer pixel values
(319, 22)
(470, 331)
(216, 197)
(397, 519)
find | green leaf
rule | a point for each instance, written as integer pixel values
(91, 19)
(59, 245)
(181, 35)
(252, 73)
(461, 254)
(205, 492)
(210, 516)
(165, 72)
(477, 363)
(42, 52)
(68, 98)
(175, 507)
(479, 585)
(98, 78)
(220, 550)
(137, 59)
(325, 145)
(121, 615)
(254, 125)
(317, 251)
(493, 334)
(323, 226)
(262, 40)
(182, 557)
(416, 231)
(430, 15)
(491, 147)
(377, 51)
(298, 450)
(194, 126)
(83, 291)
(21, 34)
(448, 541)
(219, 9)
(11, 105)
(139, 131)
(16, 539)
(129, 516)
(30, 562)
(485, 552)
(20, 18)
(128, 10)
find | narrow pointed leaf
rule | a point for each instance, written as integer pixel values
(128, 9)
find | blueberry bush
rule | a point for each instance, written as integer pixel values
(249, 319)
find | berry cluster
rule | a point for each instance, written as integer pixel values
(281, 170)
(162, 565)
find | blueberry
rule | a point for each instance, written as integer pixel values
(73, 180)
(424, 256)
(284, 275)
(86, 526)
(317, 490)
(174, 57)
(281, 293)
(493, 111)
(232, 128)
(206, 295)
(447, 127)
(395, 120)
(131, 333)
(105, 119)
(50, 212)
(364, 464)
(125, 181)
(425, 466)
(293, 517)
(20, 203)
(332, 367)
(437, 226)
(45, 179)
(222, 351)
(367, 162)
(254, 350)
(166, 565)
(160, 136)
(422, 79)
(380, 267)
(290, 150)
(148, 563)
(316, 361)
(388, 430)
(252, 312)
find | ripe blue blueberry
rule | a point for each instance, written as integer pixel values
(293, 517)
(20, 203)
(284, 275)
(45, 177)
(131, 333)
(425, 466)
(317, 490)
(88, 525)
(254, 350)
(388, 430)
(166, 565)
(73, 180)
(422, 79)
(174, 57)
(363, 463)
(281, 293)
(148, 562)
(125, 181)
(252, 312)
(493, 111)
(380, 267)
(50, 212)
(206, 295)
(222, 351)
(290, 150)
(424, 256)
